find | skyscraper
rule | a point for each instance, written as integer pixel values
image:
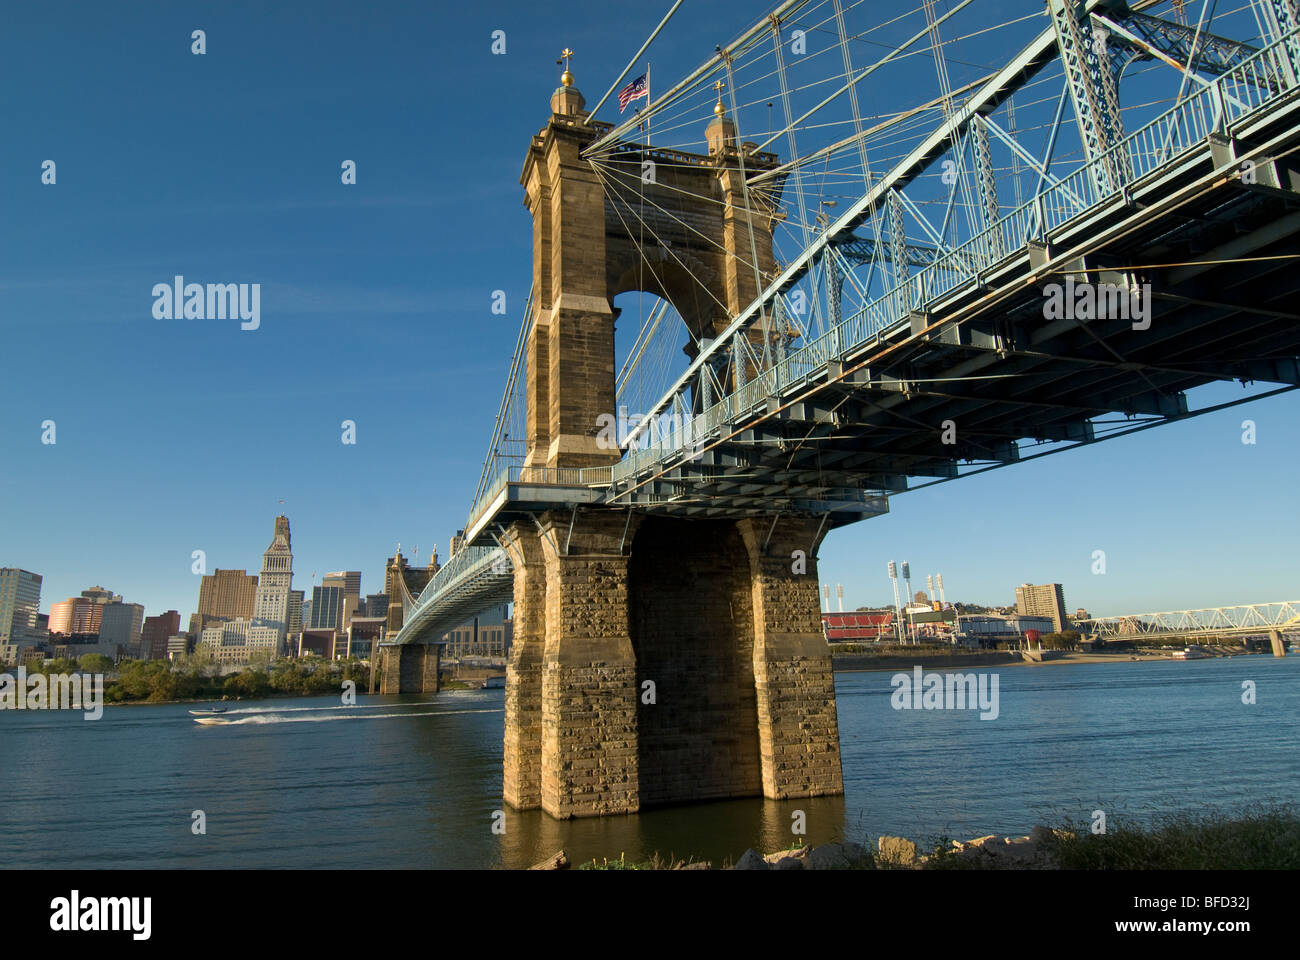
(81, 615)
(1042, 600)
(271, 606)
(20, 599)
(227, 594)
(349, 582)
(377, 605)
(326, 608)
(294, 626)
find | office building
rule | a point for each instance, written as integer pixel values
(178, 646)
(326, 608)
(377, 605)
(239, 641)
(487, 635)
(319, 643)
(81, 616)
(120, 626)
(1043, 600)
(228, 595)
(362, 634)
(295, 613)
(20, 598)
(155, 634)
(349, 582)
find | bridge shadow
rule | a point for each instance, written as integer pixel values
(690, 618)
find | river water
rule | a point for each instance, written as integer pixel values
(403, 782)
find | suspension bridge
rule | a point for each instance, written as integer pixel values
(880, 251)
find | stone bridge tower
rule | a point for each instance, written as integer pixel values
(655, 659)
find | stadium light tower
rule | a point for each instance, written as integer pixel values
(898, 612)
(907, 579)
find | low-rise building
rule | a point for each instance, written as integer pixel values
(239, 640)
(987, 630)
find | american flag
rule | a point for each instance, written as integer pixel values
(633, 91)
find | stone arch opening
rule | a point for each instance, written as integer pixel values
(691, 624)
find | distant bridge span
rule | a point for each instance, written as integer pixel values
(1282, 616)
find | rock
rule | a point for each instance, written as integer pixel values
(793, 853)
(789, 863)
(1041, 834)
(749, 860)
(556, 861)
(1022, 848)
(700, 865)
(897, 850)
(837, 856)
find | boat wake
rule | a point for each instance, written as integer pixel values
(359, 706)
(264, 718)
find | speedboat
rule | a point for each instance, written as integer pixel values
(208, 712)
(209, 721)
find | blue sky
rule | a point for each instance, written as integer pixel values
(178, 435)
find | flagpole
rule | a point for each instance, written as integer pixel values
(647, 101)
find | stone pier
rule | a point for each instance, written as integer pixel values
(681, 660)
(408, 667)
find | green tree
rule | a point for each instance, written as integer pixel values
(95, 663)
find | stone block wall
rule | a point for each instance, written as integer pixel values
(409, 668)
(522, 779)
(798, 726)
(589, 715)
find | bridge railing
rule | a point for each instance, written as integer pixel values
(1229, 98)
(1266, 75)
(552, 476)
(464, 563)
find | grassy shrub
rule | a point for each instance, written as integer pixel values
(1262, 837)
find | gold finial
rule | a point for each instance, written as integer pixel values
(718, 109)
(566, 78)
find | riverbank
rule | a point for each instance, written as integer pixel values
(1261, 837)
(858, 663)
